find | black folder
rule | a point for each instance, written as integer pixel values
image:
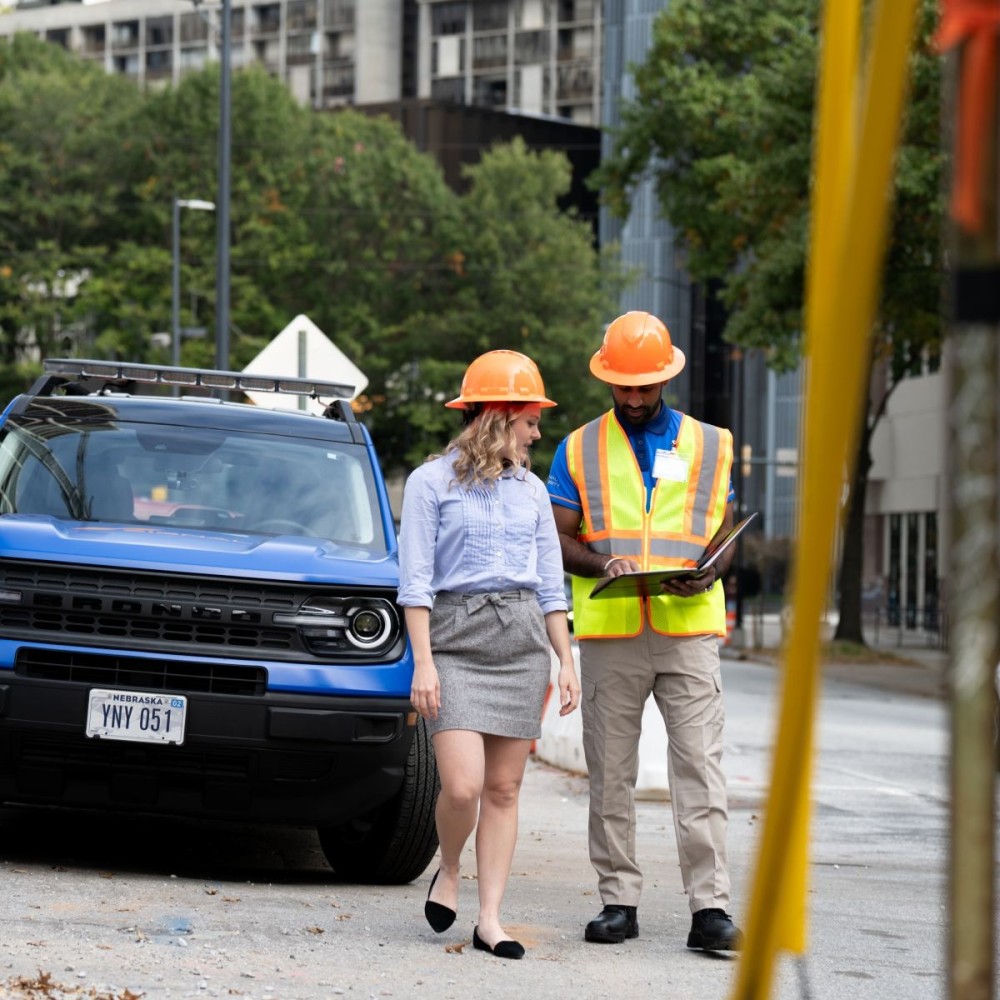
(646, 583)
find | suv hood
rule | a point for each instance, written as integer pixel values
(191, 550)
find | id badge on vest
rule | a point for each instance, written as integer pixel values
(670, 466)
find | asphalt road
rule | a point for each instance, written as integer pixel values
(128, 906)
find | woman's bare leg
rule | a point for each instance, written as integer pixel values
(461, 766)
(496, 836)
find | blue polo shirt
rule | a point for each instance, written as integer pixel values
(646, 439)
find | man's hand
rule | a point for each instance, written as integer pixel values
(620, 565)
(690, 585)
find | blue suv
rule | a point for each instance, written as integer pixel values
(197, 612)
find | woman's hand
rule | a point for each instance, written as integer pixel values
(425, 690)
(569, 689)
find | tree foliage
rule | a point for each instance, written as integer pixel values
(525, 277)
(59, 119)
(723, 120)
(335, 215)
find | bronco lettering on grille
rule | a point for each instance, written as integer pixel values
(159, 609)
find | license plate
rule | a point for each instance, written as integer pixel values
(139, 716)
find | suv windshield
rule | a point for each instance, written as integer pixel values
(189, 477)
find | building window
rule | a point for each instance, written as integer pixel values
(93, 38)
(127, 66)
(576, 82)
(448, 89)
(159, 31)
(932, 613)
(159, 63)
(301, 15)
(895, 567)
(531, 47)
(338, 13)
(489, 15)
(299, 48)
(912, 568)
(338, 80)
(267, 19)
(577, 10)
(194, 28)
(58, 36)
(490, 91)
(125, 35)
(448, 18)
(489, 51)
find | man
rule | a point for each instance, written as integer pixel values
(646, 487)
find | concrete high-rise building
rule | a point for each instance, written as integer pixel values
(539, 57)
(329, 52)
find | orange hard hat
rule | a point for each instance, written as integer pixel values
(636, 351)
(501, 376)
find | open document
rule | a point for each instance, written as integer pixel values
(646, 583)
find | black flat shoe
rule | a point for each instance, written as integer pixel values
(502, 949)
(438, 916)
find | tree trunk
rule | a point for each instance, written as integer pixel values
(852, 551)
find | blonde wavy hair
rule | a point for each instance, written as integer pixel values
(484, 445)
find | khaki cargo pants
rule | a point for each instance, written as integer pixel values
(684, 676)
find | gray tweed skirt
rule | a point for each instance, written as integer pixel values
(493, 661)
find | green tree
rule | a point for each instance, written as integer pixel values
(723, 120)
(525, 277)
(60, 119)
(335, 215)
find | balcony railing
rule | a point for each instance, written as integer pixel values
(338, 79)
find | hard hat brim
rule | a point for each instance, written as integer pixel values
(464, 402)
(612, 377)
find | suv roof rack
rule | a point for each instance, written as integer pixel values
(121, 372)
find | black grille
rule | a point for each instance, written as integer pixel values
(162, 613)
(108, 670)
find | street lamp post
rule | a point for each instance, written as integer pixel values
(225, 30)
(222, 216)
(175, 328)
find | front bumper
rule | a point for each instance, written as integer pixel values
(289, 758)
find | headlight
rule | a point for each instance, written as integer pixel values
(369, 626)
(333, 626)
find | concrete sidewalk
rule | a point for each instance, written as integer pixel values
(918, 672)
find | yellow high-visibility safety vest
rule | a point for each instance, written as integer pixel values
(685, 513)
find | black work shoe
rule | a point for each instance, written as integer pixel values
(614, 924)
(713, 929)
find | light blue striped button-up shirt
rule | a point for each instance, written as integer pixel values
(472, 541)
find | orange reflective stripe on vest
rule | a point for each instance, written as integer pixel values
(686, 510)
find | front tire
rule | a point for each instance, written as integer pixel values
(393, 844)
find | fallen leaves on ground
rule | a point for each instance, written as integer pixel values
(44, 987)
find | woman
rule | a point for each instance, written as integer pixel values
(481, 585)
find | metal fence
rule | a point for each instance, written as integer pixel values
(915, 629)
(910, 627)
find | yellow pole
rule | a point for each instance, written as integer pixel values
(851, 202)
